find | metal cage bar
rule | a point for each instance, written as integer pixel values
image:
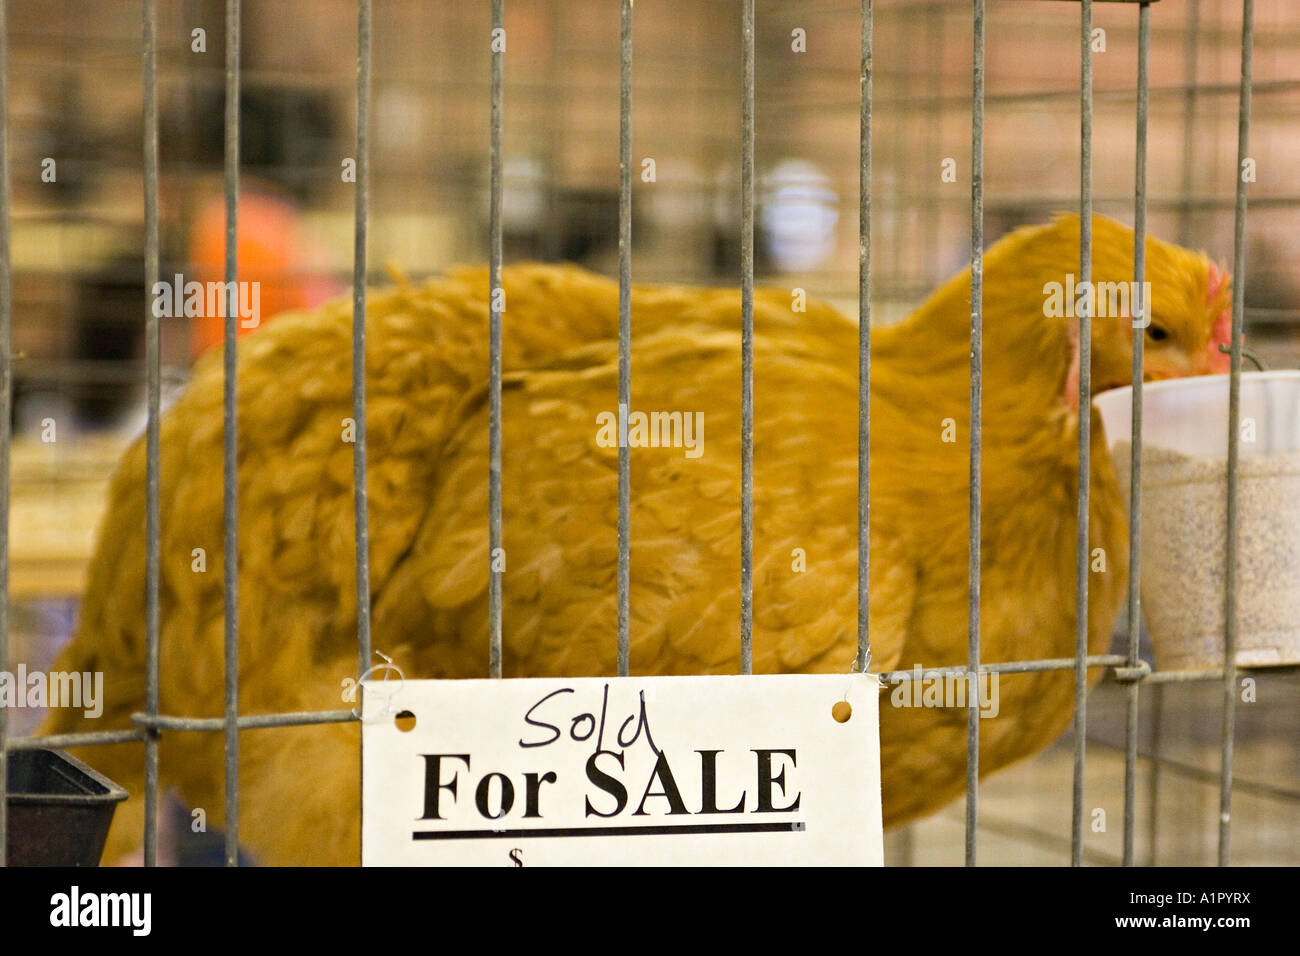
(1234, 442)
(976, 427)
(624, 332)
(1132, 692)
(230, 516)
(747, 340)
(1085, 430)
(6, 411)
(361, 228)
(863, 661)
(1191, 55)
(153, 363)
(495, 305)
(360, 268)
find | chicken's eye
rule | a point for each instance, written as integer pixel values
(1156, 333)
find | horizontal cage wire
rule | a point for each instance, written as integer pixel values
(1158, 95)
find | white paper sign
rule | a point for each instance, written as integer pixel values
(638, 771)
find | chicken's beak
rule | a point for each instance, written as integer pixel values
(1201, 364)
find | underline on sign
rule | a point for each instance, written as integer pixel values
(664, 830)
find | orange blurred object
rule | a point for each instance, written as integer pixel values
(271, 252)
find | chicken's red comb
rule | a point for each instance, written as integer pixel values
(1221, 331)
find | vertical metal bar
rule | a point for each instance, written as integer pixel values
(6, 408)
(494, 344)
(1085, 430)
(911, 34)
(747, 342)
(976, 427)
(1234, 444)
(229, 460)
(864, 341)
(624, 332)
(1191, 49)
(1153, 778)
(360, 270)
(361, 218)
(934, 28)
(153, 360)
(183, 335)
(1135, 463)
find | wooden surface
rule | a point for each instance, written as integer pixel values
(57, 493)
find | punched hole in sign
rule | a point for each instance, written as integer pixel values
(842, 711)
(404, 721)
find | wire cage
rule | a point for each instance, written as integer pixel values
(906, 139)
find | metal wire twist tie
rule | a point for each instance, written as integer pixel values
(386, 666)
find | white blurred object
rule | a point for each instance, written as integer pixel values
(523, 194)
(799, 214)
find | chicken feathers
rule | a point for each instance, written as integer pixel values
(427, 381)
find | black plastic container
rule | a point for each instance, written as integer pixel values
(59, 810)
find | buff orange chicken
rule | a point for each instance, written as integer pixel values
(427, 371)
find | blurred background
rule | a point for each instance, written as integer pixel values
(77, 240)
